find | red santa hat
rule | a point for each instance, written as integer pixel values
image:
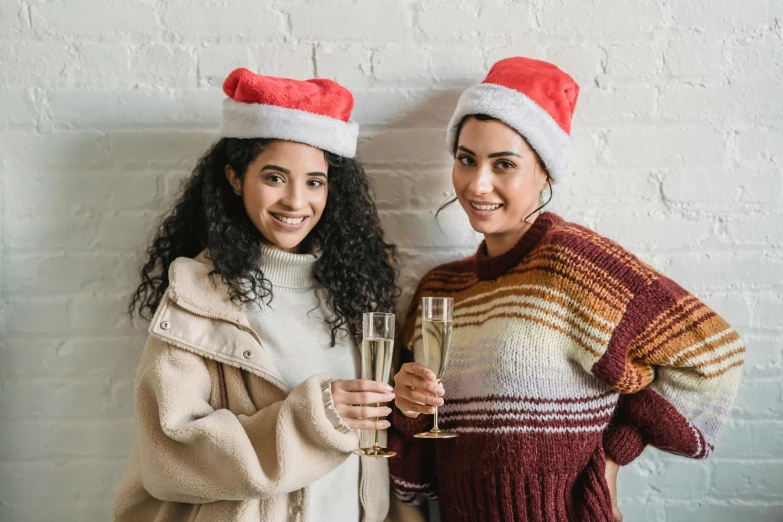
(316, 112)
(533, 97)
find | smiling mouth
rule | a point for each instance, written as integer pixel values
(486, 207)
(288, 220)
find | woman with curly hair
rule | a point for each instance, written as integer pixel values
(255, 284)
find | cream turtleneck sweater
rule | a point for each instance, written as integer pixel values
(294, 334)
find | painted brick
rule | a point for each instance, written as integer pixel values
(106, 106)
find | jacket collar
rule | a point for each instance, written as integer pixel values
(205, 321)
(191, 285)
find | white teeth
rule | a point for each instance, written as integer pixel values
(290, 221)
(485, 207)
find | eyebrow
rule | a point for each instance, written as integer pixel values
(276, 167)
(286, 171)
(493, 155)
(504, 153)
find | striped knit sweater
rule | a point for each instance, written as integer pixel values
(565, 349)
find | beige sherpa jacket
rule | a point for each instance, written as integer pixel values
(220, 437)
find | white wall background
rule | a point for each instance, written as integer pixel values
(106, 104)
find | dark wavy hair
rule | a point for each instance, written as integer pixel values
(356, 266)
(540, 164)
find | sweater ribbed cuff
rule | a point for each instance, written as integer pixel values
(623, 443)
(331, 411)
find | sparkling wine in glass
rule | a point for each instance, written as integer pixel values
(377, 346)
(436, 314)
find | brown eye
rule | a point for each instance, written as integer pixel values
(505, 165)
(466, 160)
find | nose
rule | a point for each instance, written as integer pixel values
(294, 197)
(482, 181)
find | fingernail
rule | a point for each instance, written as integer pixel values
(439, 402)
(441, 391)
(385, 424)
(388, 388)
(388, 411)
(391, 395)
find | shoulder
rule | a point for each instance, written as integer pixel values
(194, 281)
(582, 240)
(447, 274)
(190, 269)
(452, 269)
(571, 244)
(439, 279)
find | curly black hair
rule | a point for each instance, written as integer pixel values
(356, 266)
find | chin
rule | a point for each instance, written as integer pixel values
(287, 242)
(292, 245)
(483, 227)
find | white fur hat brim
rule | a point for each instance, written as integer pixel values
(522, 114)
(254, 120)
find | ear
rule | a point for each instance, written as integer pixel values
(541, 176)
(233, 180)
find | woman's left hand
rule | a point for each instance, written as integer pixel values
(612, 468)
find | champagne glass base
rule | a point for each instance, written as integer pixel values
(437, 435)
(374, 452)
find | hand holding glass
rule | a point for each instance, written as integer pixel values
(436, 316)
(377, 346)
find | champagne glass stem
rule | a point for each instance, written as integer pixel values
(376, 445)
(435, 420)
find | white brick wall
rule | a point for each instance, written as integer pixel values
(106, 104)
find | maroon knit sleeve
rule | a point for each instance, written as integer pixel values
(412, 471)
(404, 354)
(624, 438)
(400, 421)
(677, 365)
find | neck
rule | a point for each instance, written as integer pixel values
(493, 264)
(302, 248)
(499, 244)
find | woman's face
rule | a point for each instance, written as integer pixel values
(496, 177)
(284, 192)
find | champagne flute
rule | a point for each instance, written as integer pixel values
(436, 314)
(377, 346)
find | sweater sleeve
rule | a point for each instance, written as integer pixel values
(677, 365)
(190, 452)
(412, 471)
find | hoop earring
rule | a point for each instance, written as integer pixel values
(545, 204)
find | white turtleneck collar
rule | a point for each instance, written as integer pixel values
(286, 270)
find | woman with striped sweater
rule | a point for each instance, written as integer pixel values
(569, 355)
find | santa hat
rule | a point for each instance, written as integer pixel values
(316, 112)
(533, 97)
